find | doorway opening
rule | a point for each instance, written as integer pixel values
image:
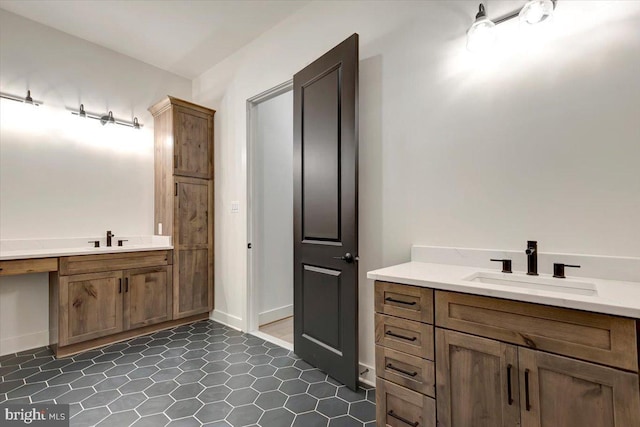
(270, 215)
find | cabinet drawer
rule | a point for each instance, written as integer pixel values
(408, 302)
(599, 338)
(409, 371)
(110, 262)
(26, 266)
(405, 335)
(397, 406)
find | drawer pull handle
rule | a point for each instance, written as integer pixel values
(404, 420)
(411, 374)
(526, 389)
(399, 301)
(402, 337)
(119, 286)
(510, 395)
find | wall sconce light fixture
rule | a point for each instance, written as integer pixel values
(481, 34)
(106, 118)
(27, 99)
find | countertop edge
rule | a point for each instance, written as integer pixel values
(22, 255)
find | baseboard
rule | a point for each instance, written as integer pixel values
(367, 374)
(24, 342)
(275, 314)
(272, 339)
(226, 319)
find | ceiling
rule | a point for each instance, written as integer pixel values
(184, 37)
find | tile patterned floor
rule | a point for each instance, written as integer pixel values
(203, 374)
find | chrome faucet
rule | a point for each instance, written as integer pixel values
(109, 236)
(532, 258)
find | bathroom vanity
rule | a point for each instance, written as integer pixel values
(452, 351)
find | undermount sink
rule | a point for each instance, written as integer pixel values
(566, 286)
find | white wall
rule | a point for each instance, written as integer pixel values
(273, 207)
(538, 140)
(63, 177)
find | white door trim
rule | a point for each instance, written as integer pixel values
(251, 307)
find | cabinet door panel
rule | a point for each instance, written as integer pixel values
(472, 381)
(148, 296)
(558, 391)
(193, 212)
(90, 306)
(192, 294)
(193, 148)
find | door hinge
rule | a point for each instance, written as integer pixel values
(248, 245)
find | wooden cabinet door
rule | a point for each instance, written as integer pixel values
(558, 391)
(90, 306)
(193, 143)
(148, 296)
(476, 381)
(193, 247)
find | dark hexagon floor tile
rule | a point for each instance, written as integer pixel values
(239, 381)
(344, 421)
(321, 390)
(235, 340)
(50, 393)
(187, 391)
(88, 381)
(120, 370)
(213, 412)
(287, 373)
(135, 349)
(124, 403)
(149, 360)
(111, 383)
(7, 386)
(185, 422)
(332, 407)
(155, 405)
(26, 390)
(266, 384)
(295, 386)
(145, 372)
(161, 388)
(217, 378)
(75, 396)
(90, 417)
(236, 348)
(120, 419)
(57, 364)
(364, 411)
(172, 362)
(118, 347)
(215, 356)
(98, 368)
(302, 365)
(183, 408)
(271, 400)
(313, 376)
(177, 344)
(238, 368)
(301, 403)
(102, 398)
(263, 371)
(260, 359)
(214, 394)
(351, 396)
(166, 374)
(279, 417)
(237, 357)
(135, 386)
(193, 364)
(217, 346)
(371, 395)
(157, 349)
(65, 378)
(194, 354)
(87, 355)
(242, 396)
(310, 419)
(128, 359)
(244, 415)
(21, 374)
(218, 366)
(256, 350)
(282, 361)
(174, 352)
(278, 352)
(190, 377)
(107, 357)
(157, 420)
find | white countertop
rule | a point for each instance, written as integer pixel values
(613, 297)
(51, 248)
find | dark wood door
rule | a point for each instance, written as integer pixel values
(90, 306)
(193, 132)
(148, 296)
(326, 212)
(476, 381)
(193, 248)
(558, 391)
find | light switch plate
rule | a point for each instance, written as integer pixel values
(235, 207)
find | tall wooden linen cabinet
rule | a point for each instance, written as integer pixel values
(184, 199)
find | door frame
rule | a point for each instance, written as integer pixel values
(251, 307)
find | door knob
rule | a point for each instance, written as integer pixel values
(348, 258)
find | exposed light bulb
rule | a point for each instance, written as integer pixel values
(481, 35)
(536, 11)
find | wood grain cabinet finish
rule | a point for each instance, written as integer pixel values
(593, 337)
(410, 337)
(408, 302)
(27, 266)
(477, 381)
(111, 262)
(559, 391)
(400, 407)
(90, 306)
(183, 134)
(148, 296)
(409, 371)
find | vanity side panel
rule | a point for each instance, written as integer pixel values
(54, 306)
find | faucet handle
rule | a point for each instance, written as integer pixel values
(96, 243)
(120, 241)
(506, 264)
(558, 269)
